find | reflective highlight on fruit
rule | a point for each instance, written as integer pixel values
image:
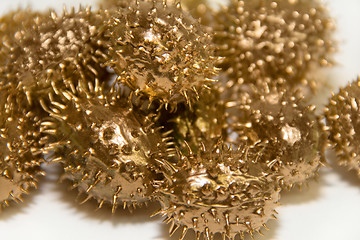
(160, 50)
(219, 190)
(274, 41)
(107, 145)
(20, 150)
(281, 117)
(342, 117)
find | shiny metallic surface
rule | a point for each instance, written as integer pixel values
(219, 190)
(20, 150)
(282, 118)
(163, 129)
(274, 41)
(207, 122)
(108, 148)
(342, 116)
(42, 51)
(161, 51)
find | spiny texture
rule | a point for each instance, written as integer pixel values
(274, 41)
(16, 29)
(42, 51)
(206, 122)
(20, 151)
(160, 50)
(107, 145)
(295, 134)
(343, 119)
(219, 190)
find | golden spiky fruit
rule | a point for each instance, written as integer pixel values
(20, 150)
(274, 41)
(219, 190)
(107, 145)
(161, 51)
(41, 51)
(342, 117)
(16, 29)
(295, 134)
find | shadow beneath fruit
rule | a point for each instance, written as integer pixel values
(90, 209)
(350, 176)
(267, 234)
(21, 207)
(304, 195)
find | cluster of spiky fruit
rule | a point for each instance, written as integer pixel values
(138, 101)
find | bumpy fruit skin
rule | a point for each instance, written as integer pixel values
(274, 41)
(295, 134)
(160, 50)
(20, 150)
(16, 28)
(343, 121)
(219, 190)
(108, 147)
(41, 51)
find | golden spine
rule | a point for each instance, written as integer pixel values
(282, 118)
(160, 50)
(219, 190)
(342, 119)
(278, 42)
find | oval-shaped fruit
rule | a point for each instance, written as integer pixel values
(343, 119)
(108, 146)
(281, 117)
(161, 51)
(219, 190)
(274, 41)
(44, 52)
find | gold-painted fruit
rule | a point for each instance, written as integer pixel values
(274, 41)
(20, 150)
(343, 120)
(219, 190)
(160, 51)
(108, 146)
(41, 52)
(296, 136)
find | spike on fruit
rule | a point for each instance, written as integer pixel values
(160, 51)
(44, 53)
(342, 120)
(205, 122)
(103, 146)
(225, 202)
(295, 134)
(20, 151)
(279, 41)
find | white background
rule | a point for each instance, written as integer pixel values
(329, 209)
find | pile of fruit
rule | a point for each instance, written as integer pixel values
(203, 110)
